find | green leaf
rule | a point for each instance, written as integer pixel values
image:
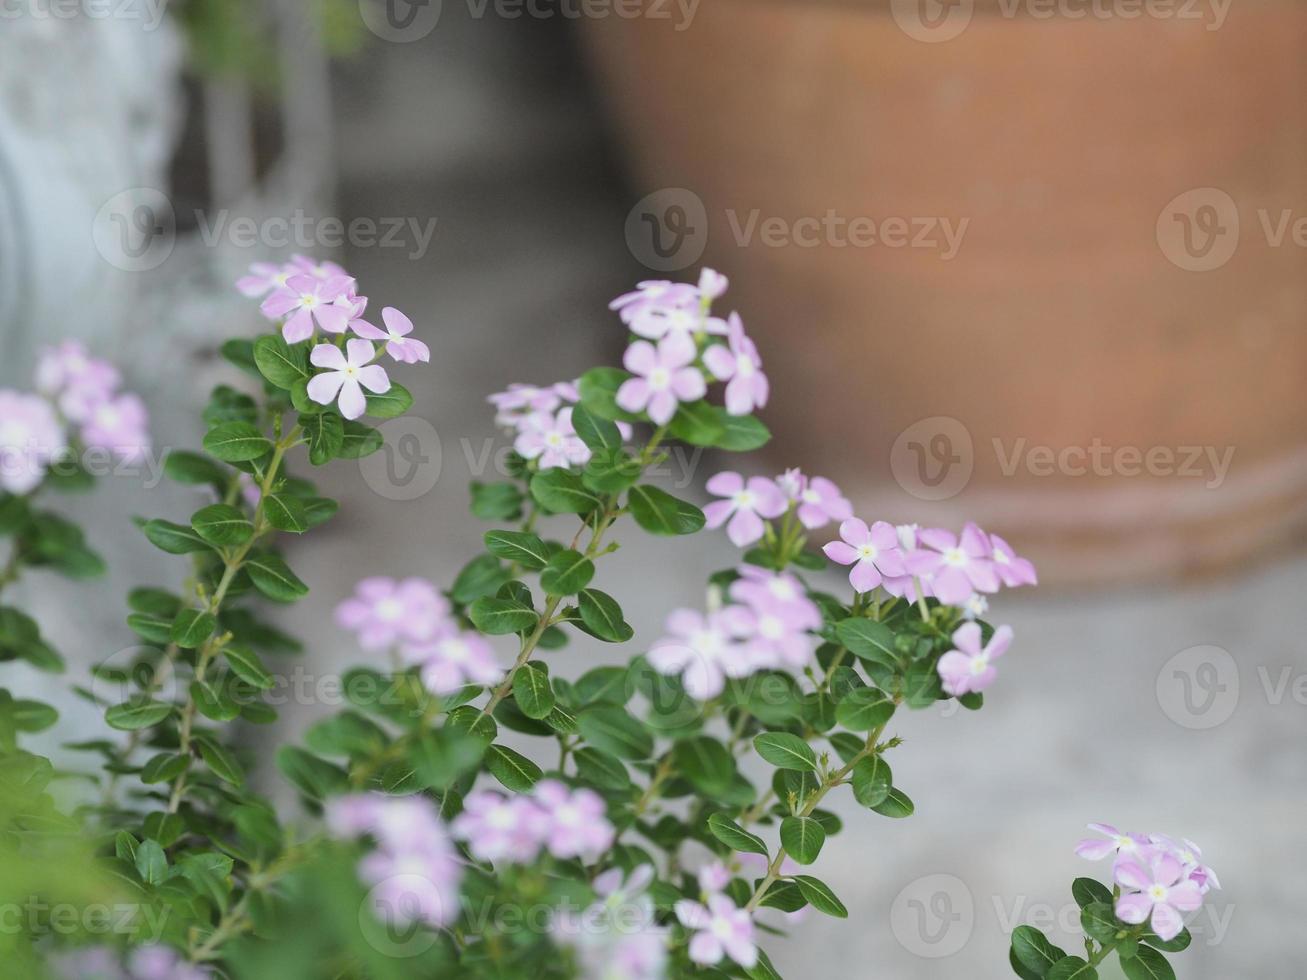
(137, 713)
(443, 755)
(803, 837)
(820, 896)
(532, 692)
(498, 617)
(598, 390)
(734, 836)
(1147, 964)
(611, 729)
(285, 513)
(163, 768)
(706, 763)
(514, 770)
(1034, 951)
(561, 492)
(744, 434)
(1087, 891)
(392, 404)
(151, 862)
(245, 664)
(192, 627)
(896, 806)
(872, 781)
(496, 501)
(868, 640)
(193, 469)
(319, 510)
(325, 432)
(522, 547)
(1177, 945)
(175, 539)
(659, 512)
(1098, 920)
(1071, 968)
(864, 709)
(602, 617)
(222, 524)
(482, 576)
(273, 577)
(31, 716)
(346, 734)
(786, 751)
(236, 442)
(601, 770)
(280, 362)
(359, 440)
(597, 433)
(315, 778)
(156, 629)
(567, 573)
(222, 763)
(698, 423)
(240, 352)
(611, 471)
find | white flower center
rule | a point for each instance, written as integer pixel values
(554, 440)
(781, 588)
(744, 367)
(1001, 558)
(707, 642)
(455, 651)
(659, 378)
(1157, 893)
(979, 665)
(868, 552)
(744, 499)
(351, 371)
(500, 818)
(308, 301)
(389, 610)
(955, 557)
(771, 628)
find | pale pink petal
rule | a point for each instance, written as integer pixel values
(720, 361)
(840, 553)
(999, 642)
(855, 532)
(298, 327)
(1133, 909)
(333, 319)
(359, 352)
(352, 403)
(365, 329)
(1185, 896)
(688, 384)
(396, 322)
(327, 356)
(640, 357)
(1167, 922)
(717, 512)
(633, 396)
(725, 484)
(745, 528)
(323, 388)
(662, 406)
(864, 576)
(967, 638)
(374, 378)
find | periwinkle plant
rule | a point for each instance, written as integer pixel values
(645, 849)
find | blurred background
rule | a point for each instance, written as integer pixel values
(1036, 263)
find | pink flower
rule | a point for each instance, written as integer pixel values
(1116, 843)
(306, 301)
(162, 963)
(714, 877)
(1190, 855)
(765, 590)
(704, 650)
(1163, 892)
(264, 277)
(574, 823)
(746, 505)
(905, 585)
(30, 439)
(872, 551)
(712, 284)
(520, 401)
(499, 828)
(970, 667)
(384, 612)
(719, 929)
(447, 663)
(777, 617)
(958, 566)
(347, 375)
(119, 424)
(737, 363)
(819, 500)
(551, 440)
(79, 382)
(1012, 569)
(324, 269)
(665, 377)
(399, 344)
(654, 295)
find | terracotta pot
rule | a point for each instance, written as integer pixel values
(1071, 315)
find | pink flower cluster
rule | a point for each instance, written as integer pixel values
(541, 422)
(618, 935)
(309, 296)
(748, 504)
(952, 568)
(718, 927)
(567, 823)
(413, 618)
(681, 347)
(768, 625)
(414, 869)
(144, 963)
(77, 392)
(1160, 877)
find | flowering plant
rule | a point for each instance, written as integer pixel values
(681, 810)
